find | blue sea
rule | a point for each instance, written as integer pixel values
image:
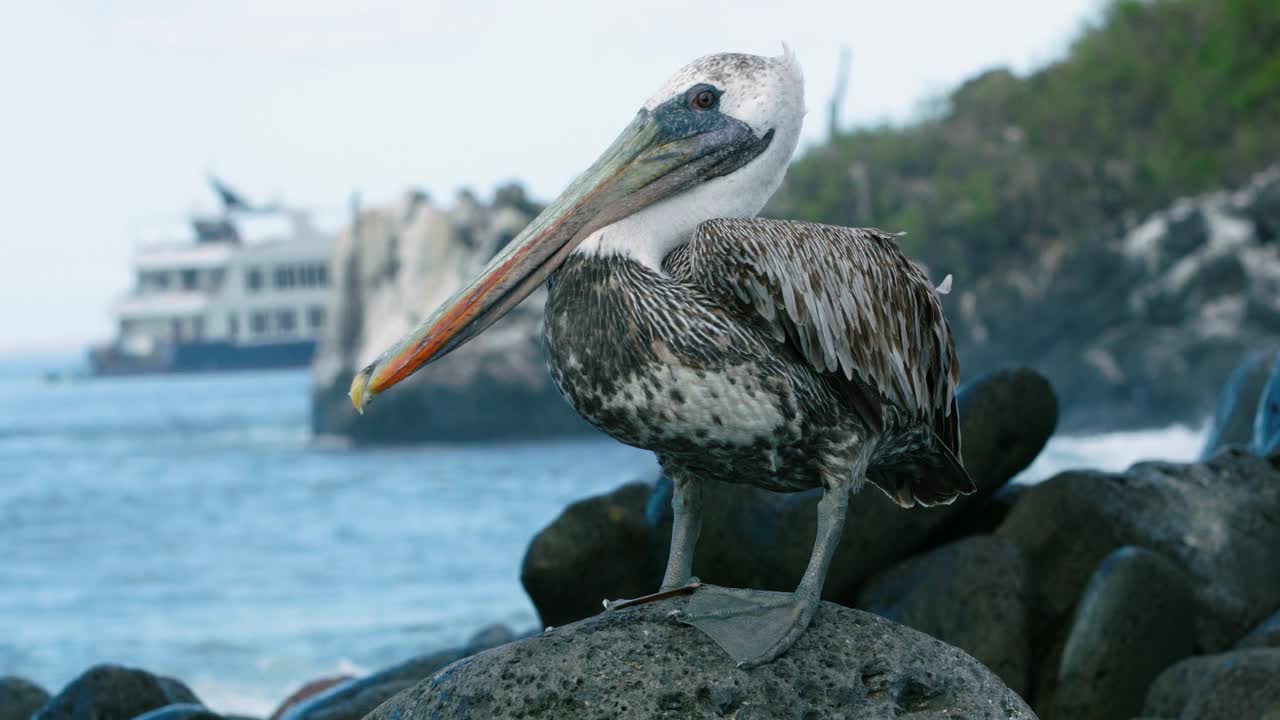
(190, 526)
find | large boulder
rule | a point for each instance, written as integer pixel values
(760, 539)
(392, 267)
(111, 692)
(1137, 617)
(971, 593)
(597, 548)
(20, 698)
(1219, 520)
(637, 663)
(1233, 421)
(353, 699)
(1231, 686)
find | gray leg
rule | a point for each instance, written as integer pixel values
(831, 512)
(755, 627)
(686, 508)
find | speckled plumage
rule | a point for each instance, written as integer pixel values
(765, 352)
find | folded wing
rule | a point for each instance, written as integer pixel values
(859, 310)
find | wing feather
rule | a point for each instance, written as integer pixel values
(850, 302)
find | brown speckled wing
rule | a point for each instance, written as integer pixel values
(851, 304)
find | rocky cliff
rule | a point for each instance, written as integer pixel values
(1131, 330)
(392, 266)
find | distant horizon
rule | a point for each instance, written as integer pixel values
(128, 107)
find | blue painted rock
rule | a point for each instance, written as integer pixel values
(1266, 425)
(1233, 421)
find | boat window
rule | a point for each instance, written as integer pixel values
(287, 277)
(286, 321)
(148, 281)
(253, 279)
(189, 278)
(315, 317)
(233, 325)
(258, 323)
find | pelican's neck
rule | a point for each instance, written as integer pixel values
(639, 239)
(650, 234)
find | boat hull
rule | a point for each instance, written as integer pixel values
(206, 356)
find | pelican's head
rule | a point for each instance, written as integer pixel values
(713, 142)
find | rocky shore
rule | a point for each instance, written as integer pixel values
(1149, 593)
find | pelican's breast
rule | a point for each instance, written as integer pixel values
(654, 364)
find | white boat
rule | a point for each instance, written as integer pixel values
(250, 289)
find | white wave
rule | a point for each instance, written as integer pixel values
(1115, 451)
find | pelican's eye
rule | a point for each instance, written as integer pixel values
(702, 97)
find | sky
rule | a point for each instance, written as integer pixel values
(114, 113)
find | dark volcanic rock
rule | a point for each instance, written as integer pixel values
(1232, 686)
(1266, 426)
(354, 699)
(636, 663)
(489, 636)
(181, 711)
(20, 698)
(1219, 520)
(760, 539)
(971, 594)
(1238, 403)
(111, 692)
(1267, 634)
(596, 549)
(1136, 619)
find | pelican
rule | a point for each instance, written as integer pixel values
(781, 354)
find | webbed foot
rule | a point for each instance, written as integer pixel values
(753, 626)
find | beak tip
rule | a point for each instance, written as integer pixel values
(359, 392)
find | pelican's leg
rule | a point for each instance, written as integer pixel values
(686, 524)
(755, 627)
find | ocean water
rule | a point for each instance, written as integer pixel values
(189, 526)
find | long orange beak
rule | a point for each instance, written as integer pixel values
(661, 152)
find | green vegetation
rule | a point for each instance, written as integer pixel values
(1161, 98)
